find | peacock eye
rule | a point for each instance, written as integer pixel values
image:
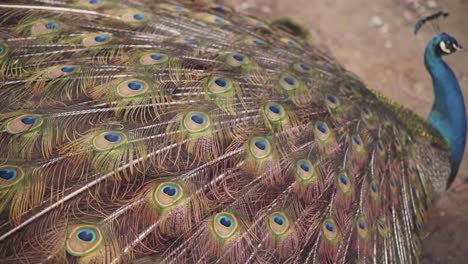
(83, 240)
(24, 123)
(274, 112)
(41, 28)
(196, 122)
(167, 194)
(225, 225)
(260, 147)
(237, 60)
(217, 85)
(109, 140)
(278, 223)
(330, 230)
(288, 82)
(131, 88)
(92, 40)
(9, 176)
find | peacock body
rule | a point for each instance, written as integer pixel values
(157, 132)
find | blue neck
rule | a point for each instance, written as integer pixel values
(448, 113)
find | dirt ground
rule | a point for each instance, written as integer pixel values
(373, 38)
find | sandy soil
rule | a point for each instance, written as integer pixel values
(374, 39)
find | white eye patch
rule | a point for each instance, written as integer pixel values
(444, 48)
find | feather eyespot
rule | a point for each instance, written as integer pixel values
(220, 8)
(382, 228)
(153, 59)
(237, 60)
(290, 43)
(167, 194)
(24, 123)
(305, 171)
(330, 231)
(83, 240)
(196, 122)
(217, 85)
(3, 49)
(133, 17)
(109, 140)
(10, 175)
(302, 67)
(357, 140)
(225, 225)
(255, 42)
(187, 40)
(361, 227)
(45, 27)
(332, 102)
(322, 131)
(169, 7)
(274, 112)
(94, 39)
(61, 70)
(288, 82)
(278, 223)
(344, 183)
(260, 147)
(131, 88)
(381, 149)
(213, 19)
(92, 3)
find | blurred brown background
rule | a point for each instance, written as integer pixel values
(373, 38)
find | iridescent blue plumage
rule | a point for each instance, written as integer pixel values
(448, 114)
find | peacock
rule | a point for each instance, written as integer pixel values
(147, 131)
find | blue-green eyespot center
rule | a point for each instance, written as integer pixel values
(261, 144)
(279, 220)
(290, 80)
(30, 120)
(94, 2)
(219, 20)
(2, 49)
(332, 99)
(238, 57)
(86, 235)
(138, 16)
(221, 82)
(357, 140)
(330, 227)
(157, 56)
(292, 43)
(113, 137)
(68, 69)
(361, 225)
(198, 118)
(170, 190)
(226, 221)
(275, 109)
(51, 25)
(322, 127)
(101, 38)
(136, 85)
(8, 174)
(304, 166)
(344, 179)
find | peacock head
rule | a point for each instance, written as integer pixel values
(445, 44)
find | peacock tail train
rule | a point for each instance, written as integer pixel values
(156, 132)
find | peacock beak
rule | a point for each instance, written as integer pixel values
(457, 47)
